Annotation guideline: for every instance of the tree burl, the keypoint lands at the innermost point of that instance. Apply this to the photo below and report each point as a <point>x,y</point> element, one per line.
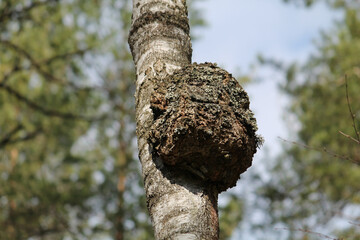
<point>203,124</point>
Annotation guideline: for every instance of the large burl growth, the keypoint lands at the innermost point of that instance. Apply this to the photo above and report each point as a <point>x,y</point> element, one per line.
<point>203,125</point>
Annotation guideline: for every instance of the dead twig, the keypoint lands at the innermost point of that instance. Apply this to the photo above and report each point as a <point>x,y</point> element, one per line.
<point>357,224</point>
<point>350,137</point>
<point>310,232</point>
<point>350,110</point>
<point>322,149</point>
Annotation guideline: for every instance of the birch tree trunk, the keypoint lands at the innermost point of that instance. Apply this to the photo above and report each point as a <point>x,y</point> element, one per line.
<point>182,178</point>
<point>160,43</point>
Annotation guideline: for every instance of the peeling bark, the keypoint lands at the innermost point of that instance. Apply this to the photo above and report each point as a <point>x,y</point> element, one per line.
<point>181,176</point>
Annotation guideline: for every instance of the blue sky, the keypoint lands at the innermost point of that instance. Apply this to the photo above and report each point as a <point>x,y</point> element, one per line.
<point>238,31</point>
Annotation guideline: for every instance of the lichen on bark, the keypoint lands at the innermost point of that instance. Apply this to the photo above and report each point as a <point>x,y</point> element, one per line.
<point>203,124</point>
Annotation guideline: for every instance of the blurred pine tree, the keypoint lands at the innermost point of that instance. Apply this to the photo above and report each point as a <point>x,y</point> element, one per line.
<point>315,183</point>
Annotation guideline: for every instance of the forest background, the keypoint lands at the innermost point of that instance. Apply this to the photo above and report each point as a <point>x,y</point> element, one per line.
<point>68,155</point>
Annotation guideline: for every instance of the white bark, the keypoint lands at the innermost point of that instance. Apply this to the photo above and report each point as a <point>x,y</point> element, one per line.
<point>180,206</point>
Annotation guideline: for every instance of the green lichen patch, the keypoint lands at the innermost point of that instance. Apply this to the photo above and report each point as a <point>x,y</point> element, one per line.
<point>203,124</point>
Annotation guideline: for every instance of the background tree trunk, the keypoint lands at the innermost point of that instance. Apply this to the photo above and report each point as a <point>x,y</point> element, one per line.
<point>180,206</point>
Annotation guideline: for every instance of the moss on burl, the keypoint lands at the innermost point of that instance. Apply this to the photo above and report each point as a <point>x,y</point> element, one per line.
<point>203,124</point>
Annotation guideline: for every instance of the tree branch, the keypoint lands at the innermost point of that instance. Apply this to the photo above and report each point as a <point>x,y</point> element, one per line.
<point>350,110</point>
<point>322,149</point>
<point>357,224</point>
<point>309,232</point>
<point>28,136</point>
<point>39,65</point>
<point>7,13</point>
<point>7,138</point>
<point>34,63</point>
<point>45,111</point>
<point>350,137</point>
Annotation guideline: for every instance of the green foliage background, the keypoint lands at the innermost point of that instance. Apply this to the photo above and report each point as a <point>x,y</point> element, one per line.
<point>68,155</point>
<point>67,144</point>
<point>315,182</point>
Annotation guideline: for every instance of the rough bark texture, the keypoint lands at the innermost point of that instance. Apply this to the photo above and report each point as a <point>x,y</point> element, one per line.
<point>182,201</point>
<point>203,124</point>
<point>180,207</point>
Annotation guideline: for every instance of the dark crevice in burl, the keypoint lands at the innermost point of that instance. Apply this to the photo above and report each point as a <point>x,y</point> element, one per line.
<point>203,124</point>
